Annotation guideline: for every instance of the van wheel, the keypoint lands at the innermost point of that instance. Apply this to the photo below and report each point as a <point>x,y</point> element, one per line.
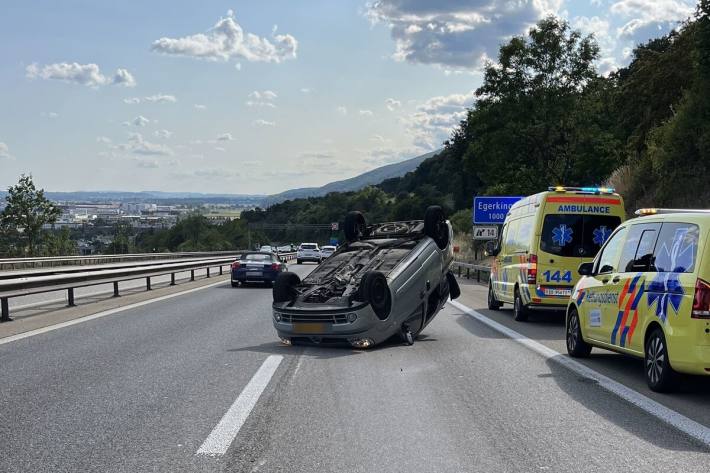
<point>660,376</point>
<point>493,303</point>
<point>576,346</point>
<point>520,312</point>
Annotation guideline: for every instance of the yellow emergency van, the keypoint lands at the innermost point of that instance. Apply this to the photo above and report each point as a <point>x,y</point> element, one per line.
<point>544,239</point>
<point>647,294</point>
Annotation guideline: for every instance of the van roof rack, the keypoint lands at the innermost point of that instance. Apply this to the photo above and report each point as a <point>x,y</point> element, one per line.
<point>586,190</point>
<point>658,211</point>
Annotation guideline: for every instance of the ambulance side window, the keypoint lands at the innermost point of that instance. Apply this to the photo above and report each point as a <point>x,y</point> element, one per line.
<point>676,248</point>
<point>510,239</point>
<point>609,258</point>
<point>637,254</point>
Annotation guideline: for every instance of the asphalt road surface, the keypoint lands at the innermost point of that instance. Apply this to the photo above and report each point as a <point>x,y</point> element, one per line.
<point>198,382</point>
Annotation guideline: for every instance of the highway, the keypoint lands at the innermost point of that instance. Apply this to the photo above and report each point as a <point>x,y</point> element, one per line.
<point>198,382</point>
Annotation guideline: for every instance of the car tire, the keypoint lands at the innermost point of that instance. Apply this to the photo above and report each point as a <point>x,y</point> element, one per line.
<point>235,284</point>
<point>576,346</point>
<point>284,286</point>
<point>355,226</point>
<point>454,289</point>
<point>493,303</point>
<point>520,312</point>
<point>374,289</point>
<point>298,261</point>
<point>660,376</point>
<point>435,226</point>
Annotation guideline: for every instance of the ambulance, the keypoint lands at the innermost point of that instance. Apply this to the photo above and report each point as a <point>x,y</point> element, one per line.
<point>647,294</point>
<point>544,239</point>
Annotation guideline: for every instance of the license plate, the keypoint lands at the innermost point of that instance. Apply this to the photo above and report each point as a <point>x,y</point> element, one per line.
<point>558,292</point>
<point>254,273</point>
<point>308,328</point>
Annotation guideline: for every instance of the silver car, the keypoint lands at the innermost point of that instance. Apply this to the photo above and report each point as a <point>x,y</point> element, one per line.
<point>389,279</point>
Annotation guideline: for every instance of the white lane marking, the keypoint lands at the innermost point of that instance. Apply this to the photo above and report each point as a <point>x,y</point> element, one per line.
<point>32,333</point>
<point>222,436</point>
<point>686,425</point>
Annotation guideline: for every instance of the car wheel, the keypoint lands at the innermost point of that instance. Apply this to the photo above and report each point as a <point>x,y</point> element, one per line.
<point>660,376</point>
<point>355,226</point>
<point>520,313</point>
<point>576,346</point>
<point>435,226</point>
<point>373,289</point>
<point>493,303</point>
<point>235,284</point>
<point>284,286</point>
<point>298,261</point>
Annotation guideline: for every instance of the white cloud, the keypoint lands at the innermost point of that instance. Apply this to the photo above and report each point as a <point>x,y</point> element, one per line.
<point>138,145</point>
<point>262,99</point>
<point>228,40</point>
<point>49,114</point>
<point>165,134</point>
<point>366,113</point>
<point>5,152</point>
<point>199,106</point>
<point>392,104</point>
<point>342,110</point>
<point>600,28</point>
<point>458,34</point>
<point>160,98</point>
<point>650,18</point>
<point>220,149</point>
<point>103,140</point>
<point>225,137</point>
<point>238,66</point>
<point>382,156</point>
<point>132,100</point>
<point>85,74</point>
<point>261,122</point>
<point>434,119</point>
<point>306,90</point>
<point>147,163</point>
<point>140,120</point>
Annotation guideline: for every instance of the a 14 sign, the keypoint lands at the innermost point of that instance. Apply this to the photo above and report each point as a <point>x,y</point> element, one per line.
<point>485,232</point>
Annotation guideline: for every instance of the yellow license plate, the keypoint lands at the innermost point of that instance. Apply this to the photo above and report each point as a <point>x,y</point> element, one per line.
<point>308,328</point>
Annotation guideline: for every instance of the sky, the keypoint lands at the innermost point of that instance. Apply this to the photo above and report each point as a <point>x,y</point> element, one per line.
<point>250,97</point>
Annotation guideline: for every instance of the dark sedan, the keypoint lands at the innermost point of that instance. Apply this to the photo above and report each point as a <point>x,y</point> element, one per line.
<point>256,267</point>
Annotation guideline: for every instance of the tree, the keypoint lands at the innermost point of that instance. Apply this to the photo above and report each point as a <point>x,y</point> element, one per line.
<point>26,212</point>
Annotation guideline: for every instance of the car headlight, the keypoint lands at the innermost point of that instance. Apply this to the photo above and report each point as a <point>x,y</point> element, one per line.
<point>277,316</point>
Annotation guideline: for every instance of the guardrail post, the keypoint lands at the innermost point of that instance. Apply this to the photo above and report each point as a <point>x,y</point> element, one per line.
<point>478,275</point>
<point>172,279</point>
<point>468,273</point>
<point>70,297</point>
<point>115,289</point>
<point>147,283</point>
<point>192,275</point>
<point>459,271</point>
<point>220,270</point>
<point>208,272</point>
<point>5,317</point>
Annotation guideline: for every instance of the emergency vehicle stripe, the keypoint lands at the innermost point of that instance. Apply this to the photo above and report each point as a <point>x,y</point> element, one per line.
<point>624,318</point>
<point>616,327</point>
<point>632,327</point>
<point>582,200</point>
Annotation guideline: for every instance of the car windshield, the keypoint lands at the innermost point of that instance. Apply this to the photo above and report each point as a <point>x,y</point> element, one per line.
<point>308,247</point>
<point>576,235</point>
<point>256,257</point>
<point>328,248</point>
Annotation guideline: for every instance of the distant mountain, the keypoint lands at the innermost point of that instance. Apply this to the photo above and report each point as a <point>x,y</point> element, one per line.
<point>246,200</point>
<point>356,183</point>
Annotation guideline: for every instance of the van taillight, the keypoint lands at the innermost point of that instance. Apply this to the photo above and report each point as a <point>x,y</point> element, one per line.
<point>235,265</point>
<point>532,269</point>
<point>701,301</point>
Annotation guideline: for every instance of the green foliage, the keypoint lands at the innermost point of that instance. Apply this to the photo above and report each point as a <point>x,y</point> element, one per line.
<point>21,221</point>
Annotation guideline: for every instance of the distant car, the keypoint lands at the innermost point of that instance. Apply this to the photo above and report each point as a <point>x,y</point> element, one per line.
<point>268,249</point>
<point>308,252</point>
<point>284,249</point>
<point>256,267</point>
<point>389,279</point>
<point>327,250</point>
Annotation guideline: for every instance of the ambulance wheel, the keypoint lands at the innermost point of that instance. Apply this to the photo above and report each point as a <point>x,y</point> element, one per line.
<point>660,376</point>
<point>520,312</point>
<point>576,346</point>
<point>493,303</point>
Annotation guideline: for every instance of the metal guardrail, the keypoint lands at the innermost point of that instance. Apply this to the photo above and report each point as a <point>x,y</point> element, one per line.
<point>466,270</point>
<point>54,261</point>
<point>69,278</point>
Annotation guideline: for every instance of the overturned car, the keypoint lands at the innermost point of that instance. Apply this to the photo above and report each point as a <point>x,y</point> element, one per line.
<point>389,279</point>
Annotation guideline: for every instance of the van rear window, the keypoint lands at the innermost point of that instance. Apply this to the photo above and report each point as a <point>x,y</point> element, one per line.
<point>575,234</point>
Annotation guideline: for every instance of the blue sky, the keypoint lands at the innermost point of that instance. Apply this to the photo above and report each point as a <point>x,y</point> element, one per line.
<point>258,97</point>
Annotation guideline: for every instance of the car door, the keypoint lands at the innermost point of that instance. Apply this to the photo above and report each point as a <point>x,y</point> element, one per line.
<point>635,264</point>
<point>598,294</point>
